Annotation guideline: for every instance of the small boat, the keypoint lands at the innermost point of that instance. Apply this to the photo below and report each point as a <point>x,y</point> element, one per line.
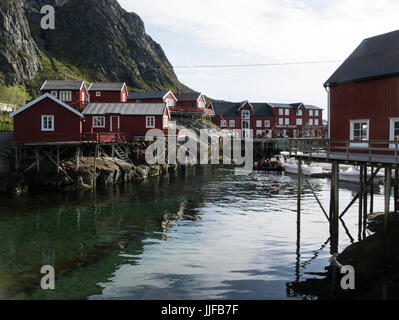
<point>270,166</point>
<point>291,167</point>
<point>352,174</point>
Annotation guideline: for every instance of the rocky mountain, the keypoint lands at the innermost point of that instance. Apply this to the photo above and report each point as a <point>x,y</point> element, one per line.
<point>93,39</point>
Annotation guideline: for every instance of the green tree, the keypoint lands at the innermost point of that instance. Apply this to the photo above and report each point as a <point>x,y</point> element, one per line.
<point>16,95</point>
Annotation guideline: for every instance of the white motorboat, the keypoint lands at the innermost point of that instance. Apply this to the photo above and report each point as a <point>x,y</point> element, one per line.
<point>291,167</point>
<point>352,174</point>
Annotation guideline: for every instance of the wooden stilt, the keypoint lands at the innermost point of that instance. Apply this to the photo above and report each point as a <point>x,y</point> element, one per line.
<point>58,159</point>
<point>95,165</point>
<point>361,192</point>
<point>16,159</point>
<point>372,191</point>
<point>77,158</point>
<point>299,187</point>
<point>364,200</point>
<point>37,160</point>
<point>334,208</point>
<point>396,190</point>
<point>387,194</point>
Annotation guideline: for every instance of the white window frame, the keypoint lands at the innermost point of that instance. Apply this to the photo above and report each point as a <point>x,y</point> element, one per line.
<point>165,123</point>
<point>52,122</point>
<point>351,127</point>
<point>223,123</point>
<point>310,113</point>
<point>201,105</point>
<point>232,123</point>
<point>299,112</point>
<point>123,97</point>
<point>316,122</point>
<point>54,93</point>
<point>83,96</point>
<point>392,131</point>
<point>287,112</point>
<point>316,113</point>
<point>170,102</point>
<point>66,96</point>
<point>267,123</point>
<point>280,112</point>
<point>150,122</point>
<point>310,122</point>
<point>259,123</point>
<point>281,121</point>
<point>100,124</point>
<point>245,114</point>
<point>260,132</point>
<point>299,121</point>
<point>98,93</point>
<point>287,121</point>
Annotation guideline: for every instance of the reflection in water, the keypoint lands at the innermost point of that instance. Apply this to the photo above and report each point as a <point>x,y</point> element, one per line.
<point>203,233</point>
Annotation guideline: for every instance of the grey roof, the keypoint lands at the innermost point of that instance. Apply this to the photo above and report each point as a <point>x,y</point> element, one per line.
<point>262,110</point>
<point>147,95</point>
<point>226,108</point>
<point>375,57</point>
<point>285,105</point>
<point>106,86</point>
<point>188,96</point>
<point>152,109</point>
<point>61,85</point>
<point>312,107</point>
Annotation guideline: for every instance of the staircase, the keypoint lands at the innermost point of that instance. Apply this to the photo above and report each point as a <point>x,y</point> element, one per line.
<point>121,153</point>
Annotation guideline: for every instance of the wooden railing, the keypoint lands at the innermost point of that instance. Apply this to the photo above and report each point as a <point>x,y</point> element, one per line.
<point>327,147</point>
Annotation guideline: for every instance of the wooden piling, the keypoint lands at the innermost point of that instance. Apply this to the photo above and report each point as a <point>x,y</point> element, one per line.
<point>334,208</point>
<point>361,193</point>
<point>387,194</point>
<point>37,160</point>
<point>372,191</point>
<point>396,190</point>
<point>364,200</point>
<point>299,187</point>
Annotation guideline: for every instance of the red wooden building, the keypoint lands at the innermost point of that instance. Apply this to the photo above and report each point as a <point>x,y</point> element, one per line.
<point>108,92</point>
<point>128,119</point>
<point>244,118</point>
<point>47,119</point>
<point>363,93</point>
<point>153,97</point>
<point>297,120</point>
<point>192,103</point>
<point>73,93</point>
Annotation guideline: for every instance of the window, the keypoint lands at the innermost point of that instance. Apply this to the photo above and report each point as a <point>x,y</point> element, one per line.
<point>277,133</point>
<point>202,105</point>
<point>259,133</point>
<point>170,102</point>
<point>394,131</point>
<point>299,113</point>
<point>299,122</point>
<point>222,123</point>
<point>245,114</point>
<point>280,121</point>
<point>359,131</point>
<point>54,93</point>
<point>47,123</point>
<point>232,123</point>
<point>311,113</point>
<point>287,112</point>
<point>123,97</point>
<point>311,122</point>
<point>66,95</point>
<point>316,113</point>
<point>281,112</point>
<point>98,122</point>
<point>98,94</point>
<point>316,122</point>
<point>287,121</point>
<point>259,123</point>
<point>83,96</point>
<point>150,122</point>
<point>267,123</point>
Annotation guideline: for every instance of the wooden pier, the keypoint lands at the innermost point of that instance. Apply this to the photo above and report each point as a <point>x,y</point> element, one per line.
<point>370,156</point>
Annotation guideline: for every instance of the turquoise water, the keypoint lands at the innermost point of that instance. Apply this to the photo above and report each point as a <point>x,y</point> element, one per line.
<point>203,234</point>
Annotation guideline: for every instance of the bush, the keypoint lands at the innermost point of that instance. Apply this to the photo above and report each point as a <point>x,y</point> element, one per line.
<point>16,95</point>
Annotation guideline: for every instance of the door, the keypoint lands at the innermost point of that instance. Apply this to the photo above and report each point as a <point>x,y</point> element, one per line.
<point>245,129</point>
<point>114,123</point>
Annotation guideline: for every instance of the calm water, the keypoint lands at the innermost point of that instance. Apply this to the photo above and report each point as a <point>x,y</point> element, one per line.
<point>205,234</point>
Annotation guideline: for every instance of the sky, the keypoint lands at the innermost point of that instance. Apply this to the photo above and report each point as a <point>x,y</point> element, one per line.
<point>219,32</point>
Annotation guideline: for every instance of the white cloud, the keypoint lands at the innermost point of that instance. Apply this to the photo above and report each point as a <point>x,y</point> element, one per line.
<point>266,31</point>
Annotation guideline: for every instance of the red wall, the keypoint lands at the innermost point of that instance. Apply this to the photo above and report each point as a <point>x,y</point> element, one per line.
<point>189,106</point>
<point>27,124</point>
<point>77,101</point>
<point>376,100</point>
<point>108,96</point>
<point>158,100</point>
<point>129,125</point>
